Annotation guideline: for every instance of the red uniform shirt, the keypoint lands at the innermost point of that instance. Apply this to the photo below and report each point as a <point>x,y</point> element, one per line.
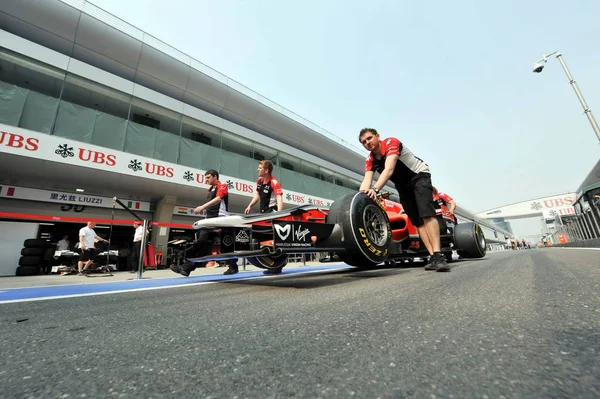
<point>407,166</point>
<point>268,189</point>
<point>222,208</point>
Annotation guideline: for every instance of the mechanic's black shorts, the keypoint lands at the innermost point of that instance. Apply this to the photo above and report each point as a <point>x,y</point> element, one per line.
<point>417,198</point>
<point>87,254</point>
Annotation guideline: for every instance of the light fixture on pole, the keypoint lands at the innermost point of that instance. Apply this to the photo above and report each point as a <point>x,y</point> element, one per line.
<point>539,66</point>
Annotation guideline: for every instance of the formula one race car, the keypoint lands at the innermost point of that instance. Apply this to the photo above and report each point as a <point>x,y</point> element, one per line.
<point>364,233</point>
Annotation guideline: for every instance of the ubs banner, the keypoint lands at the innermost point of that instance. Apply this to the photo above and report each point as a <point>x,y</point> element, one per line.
<point>17,141</point>
<point>548,207</point>
<point>553,213</point>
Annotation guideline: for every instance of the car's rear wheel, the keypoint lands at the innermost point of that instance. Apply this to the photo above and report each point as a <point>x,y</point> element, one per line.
<point>366,230</point>
<point>469,240</point>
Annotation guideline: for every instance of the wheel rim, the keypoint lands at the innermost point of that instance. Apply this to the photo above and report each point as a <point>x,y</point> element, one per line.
<point>376,225</point>
<point>480,237</point>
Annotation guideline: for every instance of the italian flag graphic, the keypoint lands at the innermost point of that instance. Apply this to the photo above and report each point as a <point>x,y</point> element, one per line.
<point>133,204</point>
<point>9,192</point>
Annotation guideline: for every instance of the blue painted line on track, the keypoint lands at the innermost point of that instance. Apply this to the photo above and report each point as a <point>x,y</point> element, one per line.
<point>55,292</point>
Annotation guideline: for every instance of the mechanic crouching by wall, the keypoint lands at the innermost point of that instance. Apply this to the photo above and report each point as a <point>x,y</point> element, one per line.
<point>396,163</point>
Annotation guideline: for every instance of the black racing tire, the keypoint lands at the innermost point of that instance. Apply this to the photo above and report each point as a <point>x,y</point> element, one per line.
<point>269,262</point>
<point>366,230</point>
<point>33,251</point>
<point>27,271</point>
<point>30,260</point>
<point>469,240</point>
<point>35,243</point>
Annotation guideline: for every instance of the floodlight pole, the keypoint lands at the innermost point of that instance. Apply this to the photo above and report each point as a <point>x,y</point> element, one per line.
<point>586,109</point>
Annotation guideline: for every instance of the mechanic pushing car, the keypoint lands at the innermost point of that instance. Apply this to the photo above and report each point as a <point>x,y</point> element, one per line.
<point>269,195</point>
<point>217,205</point>
<point>395,162</point>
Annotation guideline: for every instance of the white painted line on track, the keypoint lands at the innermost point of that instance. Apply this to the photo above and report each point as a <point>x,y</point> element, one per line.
<point>110,292</point>
<point>591,249</point>
<point>126,290</point>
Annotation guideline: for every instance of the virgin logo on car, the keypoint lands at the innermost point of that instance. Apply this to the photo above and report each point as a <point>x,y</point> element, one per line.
<point>283,231</point>
<point>301,233</point>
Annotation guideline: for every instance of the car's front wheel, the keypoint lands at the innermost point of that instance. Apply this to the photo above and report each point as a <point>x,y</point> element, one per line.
<point>366,230</point>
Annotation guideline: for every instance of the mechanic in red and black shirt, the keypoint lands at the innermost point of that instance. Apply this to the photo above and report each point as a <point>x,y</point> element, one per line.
<point>444,200</point>
<point>217,205</point>
<point>268,194</point>
<point>396,163</point>
<point>268,190</point>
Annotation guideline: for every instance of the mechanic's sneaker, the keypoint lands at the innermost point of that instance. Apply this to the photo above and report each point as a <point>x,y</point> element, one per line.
<point>175,268</point>
<point>442,265</point>
<point>273,271</point>
<point>186,269</point>
<point>233,269</point>
<point>433,263</point>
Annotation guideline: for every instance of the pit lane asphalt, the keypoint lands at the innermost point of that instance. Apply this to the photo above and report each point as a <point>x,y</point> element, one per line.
<point>514,324</point>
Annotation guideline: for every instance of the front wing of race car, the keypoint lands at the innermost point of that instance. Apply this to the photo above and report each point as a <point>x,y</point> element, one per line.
<point>298,230</point>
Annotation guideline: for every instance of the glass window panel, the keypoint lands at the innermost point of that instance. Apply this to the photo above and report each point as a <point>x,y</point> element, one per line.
<point>140,139</point>
<point>291,180</point>
<point>201,132</point>
<point>199,156</point>
<point>289,162</point>
<point>84,92</point>
<point>109,131</point>
<point>262,152</point>
<point>312,170</point>
<point>166,147</point>
<point>154,116</point>
<point>30,74</point>
<point>75,122</point>
<point>12,102</point>
<point>328,175</point>
<point>39,112</point>
<point>236,144</point>
<point>354,184</point>
<point>312,186</point>
<point>237,165</point>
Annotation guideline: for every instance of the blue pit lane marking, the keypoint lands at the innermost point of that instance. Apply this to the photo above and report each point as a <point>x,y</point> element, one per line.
<point>67,291</point>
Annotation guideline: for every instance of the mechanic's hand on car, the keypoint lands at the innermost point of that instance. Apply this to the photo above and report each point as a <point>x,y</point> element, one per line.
<point>248,210</point>
<point>370,193</point>
<point>198,209</point>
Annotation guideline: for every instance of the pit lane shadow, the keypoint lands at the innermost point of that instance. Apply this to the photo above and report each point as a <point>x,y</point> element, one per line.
<point>321,279</point>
